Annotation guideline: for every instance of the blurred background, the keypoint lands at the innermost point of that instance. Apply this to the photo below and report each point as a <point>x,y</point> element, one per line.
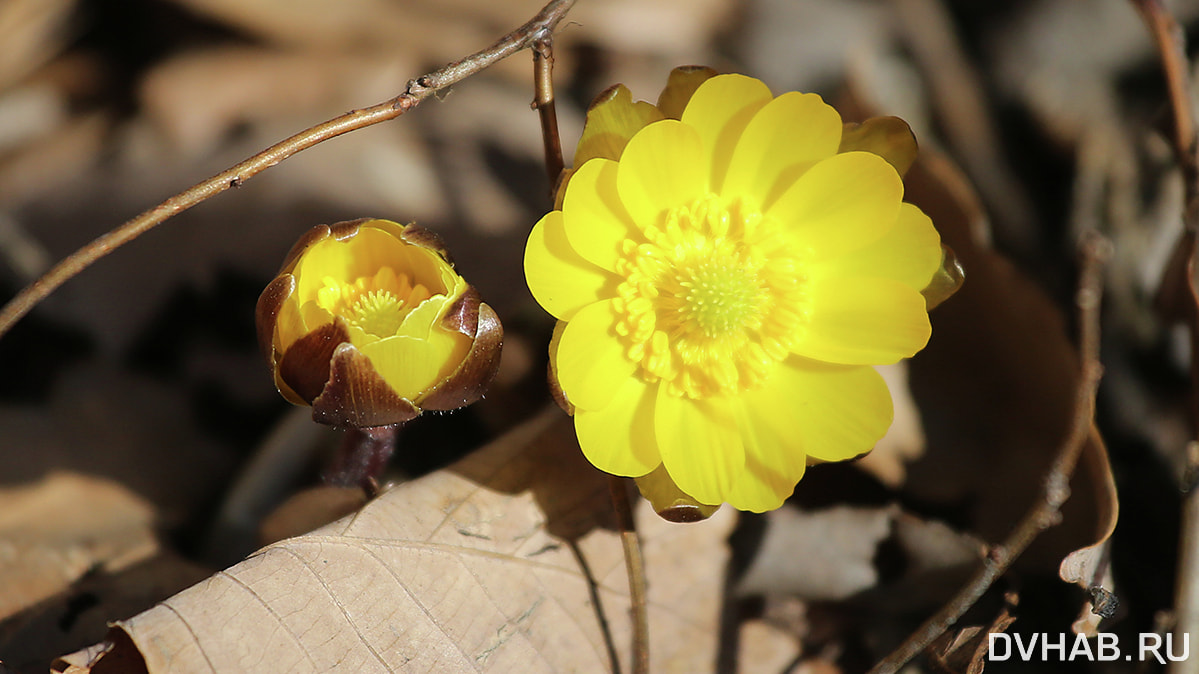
<point>143,371</point>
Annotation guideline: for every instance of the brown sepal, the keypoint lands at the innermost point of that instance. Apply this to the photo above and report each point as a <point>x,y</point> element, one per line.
<point>469,382</point>
<point>357,397</point>
<point>266,312</point>
<point>680,86</point>
<point>888,137</point>
<point>551,373</point>
<point>426,238</point>
<point>681,513</point>
<point>305,365</point>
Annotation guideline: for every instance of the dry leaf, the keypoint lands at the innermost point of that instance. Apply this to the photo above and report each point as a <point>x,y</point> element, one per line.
<point>996,385</point>
<point>55,531</point>
<point>964,651</point>
<point>32,31</point>
<point>1090,566</point>
<point>308,510</point>
<point>840,566</point>
<point>845,562</point>
<point>449,574</point>
<point>80,614</point>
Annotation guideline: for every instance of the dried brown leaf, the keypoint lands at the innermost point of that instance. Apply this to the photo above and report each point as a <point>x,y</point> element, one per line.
<point>1090,566</point>
<point>935,558</point>
<point>450,573</point>
<point>55,531</point>
<point>964,651</point>
<point>996,385</point>
<point>32,31</point>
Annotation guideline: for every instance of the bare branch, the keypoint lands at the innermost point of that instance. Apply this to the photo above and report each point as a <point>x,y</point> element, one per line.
<point>418,89</point>
<point>543,83</point>
<point>1056,488</point>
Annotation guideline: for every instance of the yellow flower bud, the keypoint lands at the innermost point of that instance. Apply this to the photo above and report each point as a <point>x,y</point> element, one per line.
<point>369,324</point>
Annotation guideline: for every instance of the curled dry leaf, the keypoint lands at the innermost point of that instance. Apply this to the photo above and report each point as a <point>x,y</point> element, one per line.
<point>501,563</point>
<point>964,651</point>
<point>997,387</point>
<point>1090,566</point>
<point>55,531</point>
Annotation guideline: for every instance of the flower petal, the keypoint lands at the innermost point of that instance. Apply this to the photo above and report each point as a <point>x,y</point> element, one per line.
<point>560,279</point>
<point>771,438</point>
<point>619,438</point>
<point>909,253</point>
<point>842,203</point>
<point>680,87</point>
<point>411,366</point>
<point>662,167</point>
<point>783,140</point>
<point>759,489</point>
<point>596,221</point>
<point>832,412</point>
<point>719,110</point>
<point>700,444</point>
<point>863,321</point>
<point>590,361</point>
<point>612,120</point>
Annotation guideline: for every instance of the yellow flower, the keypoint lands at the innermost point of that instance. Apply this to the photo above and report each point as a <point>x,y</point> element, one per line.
<point>726,268</point>
<point>369,323</point>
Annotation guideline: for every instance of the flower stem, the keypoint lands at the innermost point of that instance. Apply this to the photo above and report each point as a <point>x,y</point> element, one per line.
<point>362,456</point>
<point>536,29</point>
<point>543,83</point>
<point>635,566</point>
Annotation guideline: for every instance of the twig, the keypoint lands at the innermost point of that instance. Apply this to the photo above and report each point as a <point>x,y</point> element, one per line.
<point>543,83</point>
<point>635,566</point>
<point>537,29</point>
<point>1056,488</point>
<point>1170,44</point>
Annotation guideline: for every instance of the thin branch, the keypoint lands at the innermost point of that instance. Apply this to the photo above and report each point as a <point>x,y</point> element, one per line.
<point>417,90</point>
<point>543,83</point>
<point>1056,488</point>
<point>1171,45</point>
<point>635,566</point>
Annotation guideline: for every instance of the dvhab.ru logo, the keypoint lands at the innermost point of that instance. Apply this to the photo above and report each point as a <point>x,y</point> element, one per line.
<point>1062,647</point>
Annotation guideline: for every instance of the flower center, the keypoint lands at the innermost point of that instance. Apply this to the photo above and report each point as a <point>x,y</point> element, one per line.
<point>712,300</point>
<point>378,312</point>
<point>376,304</point>
<point>720,299</point>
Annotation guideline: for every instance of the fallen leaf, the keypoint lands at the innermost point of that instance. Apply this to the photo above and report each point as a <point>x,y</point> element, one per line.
<point>1090,566</point>
<point>839,567</point>
<point>55,531</point>
<point>32,31</point>
<point>841,548</point>
<point>996,388</point>
<point>450,573</point>
<point>964,651</point>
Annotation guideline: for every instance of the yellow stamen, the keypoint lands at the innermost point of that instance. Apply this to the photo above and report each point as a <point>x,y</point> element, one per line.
<point>378,312</point>
<point>712,302</point>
